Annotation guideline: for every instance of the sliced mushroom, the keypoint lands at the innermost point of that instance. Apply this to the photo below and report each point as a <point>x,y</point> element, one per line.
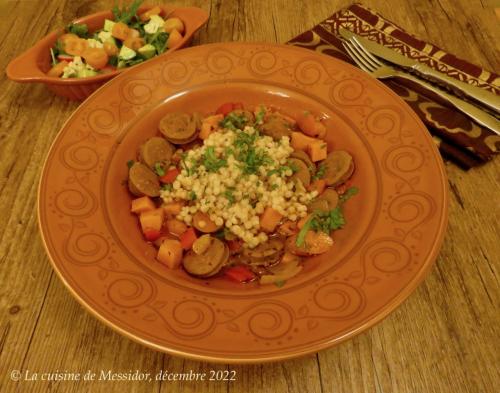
<point>180,128</point>
<point>339,167</point>
<point>156,150</point>
<point>265,253</point>
<point>301,172</point>
<point>209,261</point>
<point>276,127</point>
<point>143,181</point>
<point>302,155</point>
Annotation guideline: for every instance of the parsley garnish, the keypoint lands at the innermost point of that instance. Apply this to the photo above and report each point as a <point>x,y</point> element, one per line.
<point>320,172</point>
<point>130,163</point>
<point>326,221</point>
<point>192,196</point>
<point>167,187</point>
<point>259,117</point>
<point>229,195</point>
<point>234,122</point>
<point>274,187</point>
<point>210,161</point>
<point>159,170</point>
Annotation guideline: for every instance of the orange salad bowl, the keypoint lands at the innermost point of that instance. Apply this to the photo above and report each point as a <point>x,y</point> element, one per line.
<point>32,65</point>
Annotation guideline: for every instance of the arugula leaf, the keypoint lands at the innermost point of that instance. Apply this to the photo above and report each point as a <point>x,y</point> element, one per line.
<point>113,60</point>
<point>129,63</point>
<point>80,29</point>
<point>125,15</point>
<point>158,40</point>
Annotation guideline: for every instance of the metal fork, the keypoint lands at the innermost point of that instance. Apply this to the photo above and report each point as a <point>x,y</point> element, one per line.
<point>369,63</point>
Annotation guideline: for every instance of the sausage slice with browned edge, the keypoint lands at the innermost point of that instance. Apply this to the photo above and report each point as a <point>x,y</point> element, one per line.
<point>209,262</point>
<point>155,151</point>
<point>276,127</point>
<point>301,172</point>
<point>339,166</point>
<point>302,155</point>
<point>180,128</point>
<point>143,181</point>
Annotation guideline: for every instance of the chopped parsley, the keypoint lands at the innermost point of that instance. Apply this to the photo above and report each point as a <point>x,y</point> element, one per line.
<point>280,170</point>
<point>130,163</point>
<point>159,170</point>
<point>167,187</point>
<point>192,196</point>
<point>211,162</point>
<point>229,195</point>
<point>259,117</point>
<point>274,187</point>
<point>250,157</point>
<point>326,221</point>
<point>320,172</point>
<point>234,122</point>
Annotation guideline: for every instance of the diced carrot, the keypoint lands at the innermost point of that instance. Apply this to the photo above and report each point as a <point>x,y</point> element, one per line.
<point>151,235</point>
<point>188,238</point>
<point>176,227</point>
<point>151,220</point>
<point>142,204</point>
<point>173,208</point>
<point>317,185</point>
<point>300,141</point>
<point>210,124</point>
<point>149,13</point>
<point>174,38</point>
<point>120,30</point>
<point>320,130</point>
<point>269,219</point>
<point>288,228</point>
<point>239,274</point>
<point>307,123</point>
<point>317,150</point>
<point>58,69</point>
<point>170,253</point>
<point>169,176</point>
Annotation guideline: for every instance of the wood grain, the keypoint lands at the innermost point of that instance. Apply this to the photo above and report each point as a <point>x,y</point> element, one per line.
<point>444,338</point>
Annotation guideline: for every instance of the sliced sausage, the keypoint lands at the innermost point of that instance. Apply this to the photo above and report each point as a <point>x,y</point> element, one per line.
<point>327,201</point>
<point>302,155</point>
<point>318,204</point>
<point>209,262</point>
<point>156,150</point>
<point>339,167</point>
<point>301,172</point>
<point>143,181</point>
<point>180,128</point>
<point>276,127</point>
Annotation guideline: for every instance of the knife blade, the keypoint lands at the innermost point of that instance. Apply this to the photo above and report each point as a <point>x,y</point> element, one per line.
<point>481,96</point>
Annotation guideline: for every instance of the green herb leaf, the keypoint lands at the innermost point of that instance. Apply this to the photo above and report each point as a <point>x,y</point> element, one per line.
<point>125,15</point>
<point>320,172</point>
<point>130,163</point>
<point>192,196</point>
<point>350,192</point>
<point>210,161</point>
<point>159,170</point>
<point>80,29</point>
<point>301,237</point>
<point>234,122</point>
<point>229,195</point>
<point>158,40</point>
<point>259,117</point>
<point>167,187</point>
<point>274,187</point>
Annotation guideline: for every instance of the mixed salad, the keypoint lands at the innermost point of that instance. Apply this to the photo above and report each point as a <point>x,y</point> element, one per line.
<point>246,194</point>
<point>128,39</point>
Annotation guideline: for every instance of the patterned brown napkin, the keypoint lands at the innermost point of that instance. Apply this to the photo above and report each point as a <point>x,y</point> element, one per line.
<point>459,139</point>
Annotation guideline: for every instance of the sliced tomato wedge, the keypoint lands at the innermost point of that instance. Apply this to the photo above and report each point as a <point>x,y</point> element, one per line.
<point>151,235</point>
<point>170,176</point>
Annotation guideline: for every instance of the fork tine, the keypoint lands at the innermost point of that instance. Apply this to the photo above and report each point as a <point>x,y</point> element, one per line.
<point>367,54</point>
<point>360,61</point>
<point>362,53</point>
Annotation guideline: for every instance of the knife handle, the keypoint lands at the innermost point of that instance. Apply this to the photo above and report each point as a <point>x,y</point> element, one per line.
<point>482,96</point>
<point>470,110</point>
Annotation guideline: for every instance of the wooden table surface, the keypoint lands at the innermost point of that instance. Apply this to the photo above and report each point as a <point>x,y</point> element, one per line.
<point>444,338</point>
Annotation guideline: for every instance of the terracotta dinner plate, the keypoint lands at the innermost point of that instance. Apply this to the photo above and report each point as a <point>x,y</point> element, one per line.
<point>395,225</point>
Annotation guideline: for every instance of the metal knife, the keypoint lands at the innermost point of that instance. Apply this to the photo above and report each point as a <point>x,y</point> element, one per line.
<point>479,95</point>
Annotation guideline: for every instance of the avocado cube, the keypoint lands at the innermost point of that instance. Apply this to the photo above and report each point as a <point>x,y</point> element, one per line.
<point>126,53</point>
<point>147,51</point>
<point>108,25</point>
